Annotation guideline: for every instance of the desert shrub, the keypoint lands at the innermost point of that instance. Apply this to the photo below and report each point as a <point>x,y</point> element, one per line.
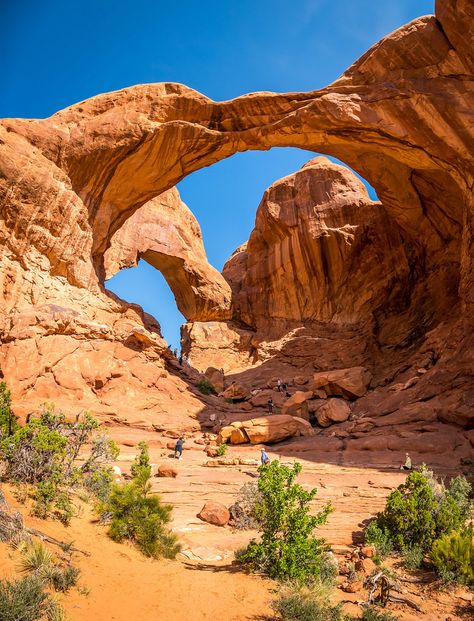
<point>412,556</point>
<point>44,454</point>
<point>417,513</point>
<point>379,538</point>
<point>372,614</point>
<point>221,450</point>
<point>139,516</point>
<point>61,578</point>
<point>24,600</point>
<point>305,605</point>
<point>36,558</point>
<point>460,490</point>
<point>40,562</point>
<point>8,423</point>
<point>205,387</point>
<point>453,557</point>
<point>287,550</point>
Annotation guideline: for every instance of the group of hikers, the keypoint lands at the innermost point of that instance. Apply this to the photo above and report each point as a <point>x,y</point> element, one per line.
<point>265,459</point>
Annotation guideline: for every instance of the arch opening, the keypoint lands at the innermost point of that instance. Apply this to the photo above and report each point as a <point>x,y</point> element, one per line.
<point>224,198</point>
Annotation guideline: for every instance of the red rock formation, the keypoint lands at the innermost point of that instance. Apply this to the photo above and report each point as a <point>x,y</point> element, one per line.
<point>322,251</point>
<point>400,116</point>
<point>165,233</point>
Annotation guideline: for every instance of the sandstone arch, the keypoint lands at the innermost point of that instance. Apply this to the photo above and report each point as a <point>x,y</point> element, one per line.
<point>383,117</point>
<point>165,233</point>
<point>400,116</point>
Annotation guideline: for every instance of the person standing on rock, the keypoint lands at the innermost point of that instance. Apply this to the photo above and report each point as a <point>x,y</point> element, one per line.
<point>178,449</point>
<point>270,406</point>
<point>264,459</point>
<point>279,385</point>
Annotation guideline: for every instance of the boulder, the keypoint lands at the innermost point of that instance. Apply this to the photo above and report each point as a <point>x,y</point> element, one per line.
<point>216,378</point>
<point>297,404</point>
<point>348,383</point>
<point>353,586</point>
<point>366,566</point>
<point>236,392</point>
<point>300,380</point>
<point>224,434</point>
<point>211,451</point>
<point>275,427</point>
<point>167,470</point>
<point>333,411</point>
<point>238,436</point>
<point>368,551</point>
<point>214,513</point>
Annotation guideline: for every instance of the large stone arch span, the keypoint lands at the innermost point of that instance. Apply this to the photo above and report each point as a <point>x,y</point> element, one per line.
<point>400,116</point>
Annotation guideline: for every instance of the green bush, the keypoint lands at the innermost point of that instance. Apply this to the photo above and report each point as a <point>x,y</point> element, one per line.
<point>139,516</point>
<point>141,467</point>
<point>62,578</point>
<point>453,557</point>
<point>379,538</point>
<point>205,387</point>
<point>287,550</point>
<point>24,600</point>
<point>412,556</point>
<point>417,513</point>
<point>44,454</point>
<point>8,423</point>
<point>306,606</point>
<point>221,450</point>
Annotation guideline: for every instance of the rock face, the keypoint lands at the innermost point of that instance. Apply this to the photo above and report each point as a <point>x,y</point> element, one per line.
<point>350,282</point>
<point>323,249</point>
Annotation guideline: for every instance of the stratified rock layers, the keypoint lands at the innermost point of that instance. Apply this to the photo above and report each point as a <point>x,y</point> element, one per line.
<point>401,116</point>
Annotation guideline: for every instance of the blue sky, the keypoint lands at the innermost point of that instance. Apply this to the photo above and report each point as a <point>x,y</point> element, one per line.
<point>55,53</point>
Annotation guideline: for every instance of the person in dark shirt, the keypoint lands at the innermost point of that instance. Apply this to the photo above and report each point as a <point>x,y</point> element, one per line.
<point>178,449</point>
<point>270,406</point>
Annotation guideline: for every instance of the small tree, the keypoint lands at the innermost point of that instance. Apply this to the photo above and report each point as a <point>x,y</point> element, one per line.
<point>138,515</point>
<point>287,550</point>
<point>421,510</point>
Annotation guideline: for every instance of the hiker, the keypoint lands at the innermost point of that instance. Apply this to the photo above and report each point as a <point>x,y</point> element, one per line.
<point>265,460</point>
<point>180,360</point>
<point>279,385</point>
<point>270,406</point>
<point>407,464</point>
<point>178,449</point>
